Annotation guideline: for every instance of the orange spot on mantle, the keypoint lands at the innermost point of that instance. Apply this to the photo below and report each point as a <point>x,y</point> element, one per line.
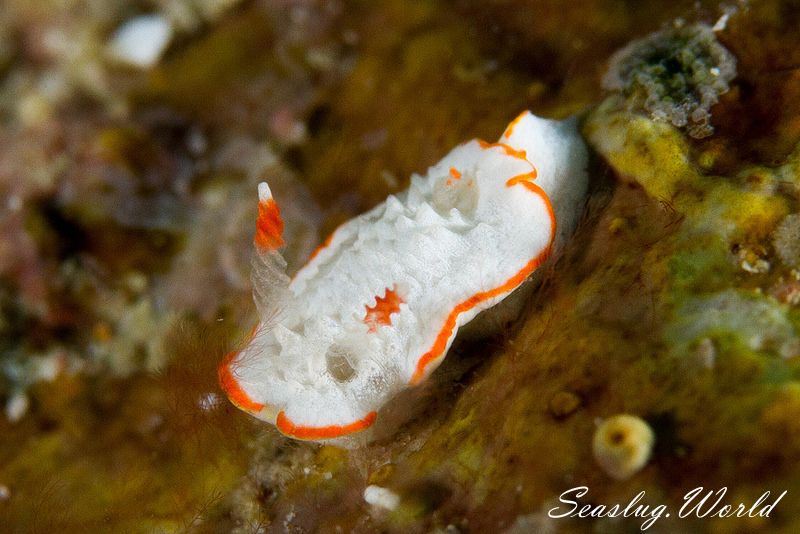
<point>440,343</point>
<point>289,428</point>
<point>385,306</point>
<point>513,124</point>
<point>269,226</point>
<point>454,175</point>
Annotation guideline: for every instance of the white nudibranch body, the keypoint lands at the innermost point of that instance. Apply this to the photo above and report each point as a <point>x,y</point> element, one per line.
<point>376,308</point>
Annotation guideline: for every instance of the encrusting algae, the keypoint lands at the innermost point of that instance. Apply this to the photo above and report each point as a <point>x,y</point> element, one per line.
<point>786,240</point>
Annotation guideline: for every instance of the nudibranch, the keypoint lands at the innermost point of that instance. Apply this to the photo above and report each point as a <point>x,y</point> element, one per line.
<point>378,305</point>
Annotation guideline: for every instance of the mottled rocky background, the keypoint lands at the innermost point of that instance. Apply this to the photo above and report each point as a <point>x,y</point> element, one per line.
<point>127,200</point>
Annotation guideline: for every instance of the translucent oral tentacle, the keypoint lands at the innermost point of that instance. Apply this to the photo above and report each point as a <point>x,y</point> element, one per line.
<point>270,281</point>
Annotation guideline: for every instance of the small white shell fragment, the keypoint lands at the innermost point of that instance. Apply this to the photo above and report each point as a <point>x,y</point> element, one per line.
<point>622,445</point>
<point>381,497</point>
<point>376,308</point>
<point>16,406</point>
<point>208,402</point>
<point>140,41</point>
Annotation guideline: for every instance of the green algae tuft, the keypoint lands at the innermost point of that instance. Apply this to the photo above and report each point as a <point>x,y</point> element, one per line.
<point>676,75</point>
